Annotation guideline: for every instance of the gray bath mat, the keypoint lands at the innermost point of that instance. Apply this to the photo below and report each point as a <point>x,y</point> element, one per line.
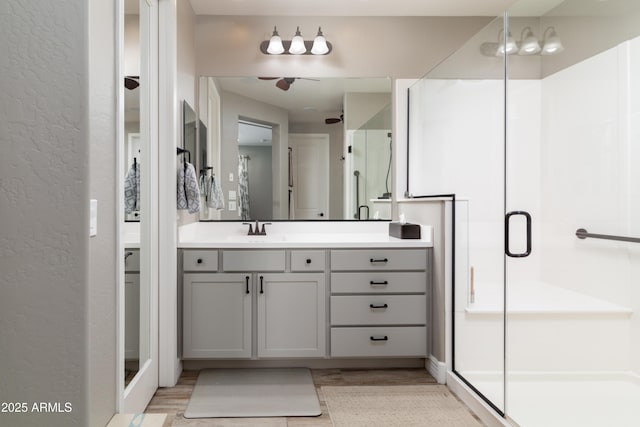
<point>253,393</point>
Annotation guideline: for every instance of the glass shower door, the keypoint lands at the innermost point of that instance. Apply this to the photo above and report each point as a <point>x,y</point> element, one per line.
<point>573,146</point>
<point>456,148</point>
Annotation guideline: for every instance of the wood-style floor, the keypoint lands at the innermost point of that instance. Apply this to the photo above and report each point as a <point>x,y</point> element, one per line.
<point>173,401</point>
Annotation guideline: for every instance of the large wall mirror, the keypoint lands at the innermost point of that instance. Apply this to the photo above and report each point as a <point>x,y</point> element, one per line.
<point>137,160</point>
<point>280,148</point>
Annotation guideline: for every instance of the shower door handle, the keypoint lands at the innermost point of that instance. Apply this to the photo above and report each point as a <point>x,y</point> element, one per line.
<point>506,234</point>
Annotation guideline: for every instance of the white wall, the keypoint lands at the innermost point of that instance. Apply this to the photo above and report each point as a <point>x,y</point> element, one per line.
<point>585,182</point>
<point>399,47</point>
<point>45,297</point>
<point>590,150</point>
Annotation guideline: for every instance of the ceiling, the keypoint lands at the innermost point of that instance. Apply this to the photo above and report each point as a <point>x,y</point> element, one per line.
<point>351,7</point>
<point>307,100</point>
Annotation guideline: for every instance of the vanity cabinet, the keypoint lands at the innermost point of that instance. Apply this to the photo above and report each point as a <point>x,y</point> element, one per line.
<point>283,303</point>
<point>131,304</point>
<point>379,303</point>
<point>248,303</point>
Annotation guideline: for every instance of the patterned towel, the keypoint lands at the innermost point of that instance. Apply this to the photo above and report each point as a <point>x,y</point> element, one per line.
<point>132,189</point>
<point>188,189</point>
<point>215,199</point>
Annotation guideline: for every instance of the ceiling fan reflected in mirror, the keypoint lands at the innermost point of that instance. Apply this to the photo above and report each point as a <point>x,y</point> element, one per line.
<point>131,82</point>
<point>334,120</point>
<point>285,83</point>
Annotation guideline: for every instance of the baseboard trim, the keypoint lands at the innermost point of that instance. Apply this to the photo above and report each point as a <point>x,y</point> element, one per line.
<point>437,369</point>
<point>369,363</point>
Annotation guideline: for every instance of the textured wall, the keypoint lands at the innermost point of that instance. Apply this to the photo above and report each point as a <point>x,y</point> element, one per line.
<point>44,192</point>
<point>102,186</point>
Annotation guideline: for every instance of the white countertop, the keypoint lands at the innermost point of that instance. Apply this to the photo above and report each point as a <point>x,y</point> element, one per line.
<point>298,234</point>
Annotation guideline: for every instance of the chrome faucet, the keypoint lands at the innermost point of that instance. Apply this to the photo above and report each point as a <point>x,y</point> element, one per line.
<point>257,231</point>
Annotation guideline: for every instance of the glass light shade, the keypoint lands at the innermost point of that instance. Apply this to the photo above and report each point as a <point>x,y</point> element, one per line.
<point>275,44</point>
<point>297,44</point>
<point>319,44</point>
<point>552,45</point>
<point>529,46</point>
<point>510,47</point>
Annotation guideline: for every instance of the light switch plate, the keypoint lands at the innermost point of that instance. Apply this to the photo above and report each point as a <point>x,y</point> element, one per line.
<point>230,176</point>
<point>232,205</point>
<point>93,217</point>
<point>232,195</point>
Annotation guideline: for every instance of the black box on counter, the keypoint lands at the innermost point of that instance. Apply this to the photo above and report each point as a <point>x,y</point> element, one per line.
<point>404,231</point>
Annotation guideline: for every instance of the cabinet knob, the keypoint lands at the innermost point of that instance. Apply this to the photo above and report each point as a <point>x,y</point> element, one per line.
<point>199,261</point>
<point>308,260</point>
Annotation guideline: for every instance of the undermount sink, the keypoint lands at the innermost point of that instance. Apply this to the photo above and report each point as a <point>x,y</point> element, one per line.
<point>246,238</point>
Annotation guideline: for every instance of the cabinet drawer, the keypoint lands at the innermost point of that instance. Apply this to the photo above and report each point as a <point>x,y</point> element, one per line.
<point>384,342</point>
<point>131,260</point>
<point>205,260</point>
<point>307,260</point>
<point>379,259</point>
<point>378,282</point>
<point>379,310</point>
<point>253,260</point>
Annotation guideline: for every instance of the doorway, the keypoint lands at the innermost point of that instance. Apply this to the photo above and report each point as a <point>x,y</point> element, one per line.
<point>308,176</point>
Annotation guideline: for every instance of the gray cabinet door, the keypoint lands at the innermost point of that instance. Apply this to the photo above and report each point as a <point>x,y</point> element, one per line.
<point>217,315</point>
<point>291,315</point>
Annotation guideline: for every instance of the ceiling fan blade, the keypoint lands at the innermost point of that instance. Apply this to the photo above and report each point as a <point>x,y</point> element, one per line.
<point>268,78</point>
<point>332,120</point>
<point>131,82</point>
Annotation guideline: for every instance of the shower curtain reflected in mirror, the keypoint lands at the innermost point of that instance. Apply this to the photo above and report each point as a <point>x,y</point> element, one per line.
<point>243,187</point>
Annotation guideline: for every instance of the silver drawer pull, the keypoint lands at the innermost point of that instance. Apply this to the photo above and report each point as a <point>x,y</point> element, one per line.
<point>374,306</point>
<point>376,283</point>
<point>384,338</point>
<point>378,260</point>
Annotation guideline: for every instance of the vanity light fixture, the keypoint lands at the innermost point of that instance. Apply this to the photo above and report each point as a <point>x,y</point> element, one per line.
<point>297,45</point>
<point>528,45</point>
